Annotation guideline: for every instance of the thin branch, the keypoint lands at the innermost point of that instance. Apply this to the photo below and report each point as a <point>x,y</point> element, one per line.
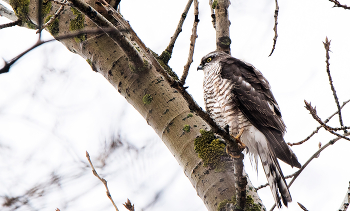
<point>170,47</point>
<point>64,2</point>
<point>318,128</point>
<point>275,28</point>
<point>302,207</point>
<point>14,23</point>
<point>40,18</point>
<point>262,186</point>
<point>326,46</point>
<point>325,126</point>
<point>102,180</point>
<point>7,66</point>
<point>57,13</point>
<point>337,4</point>
<point>315,155</point>
<point>192,44</point>
<point>128,205</point>
<point>7,13</point>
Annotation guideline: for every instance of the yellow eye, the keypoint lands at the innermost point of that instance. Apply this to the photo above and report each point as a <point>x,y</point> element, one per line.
<point>209,59</point>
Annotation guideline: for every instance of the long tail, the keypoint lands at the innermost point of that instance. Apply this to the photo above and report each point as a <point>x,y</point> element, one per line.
<point>274,176</point>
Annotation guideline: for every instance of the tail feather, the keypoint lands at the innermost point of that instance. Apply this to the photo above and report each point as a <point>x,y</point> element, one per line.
<point>259,146</point>
<point>274,176</point>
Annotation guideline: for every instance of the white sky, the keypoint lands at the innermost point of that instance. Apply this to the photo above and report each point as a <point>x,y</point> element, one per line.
<point>53,107</point>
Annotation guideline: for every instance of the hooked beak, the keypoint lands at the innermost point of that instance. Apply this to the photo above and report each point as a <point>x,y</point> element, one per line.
<point>200,67</point>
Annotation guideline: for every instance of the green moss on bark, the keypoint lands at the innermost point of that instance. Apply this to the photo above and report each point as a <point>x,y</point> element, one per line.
<point>77,23</point>
<point>250,205</point>
<point>163,60</point>
<point>53,27</point>
<point>211,150</point>
<point>21,8</point>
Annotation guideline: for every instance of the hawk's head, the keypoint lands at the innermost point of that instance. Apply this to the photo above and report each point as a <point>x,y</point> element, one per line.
<point>211,58</point>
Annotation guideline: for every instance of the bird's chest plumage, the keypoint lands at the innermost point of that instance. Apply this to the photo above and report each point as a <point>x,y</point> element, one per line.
<point>219,100</point>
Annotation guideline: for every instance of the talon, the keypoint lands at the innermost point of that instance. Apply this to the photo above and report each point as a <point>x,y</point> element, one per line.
<point>230,154</point>
<point>238,139</point>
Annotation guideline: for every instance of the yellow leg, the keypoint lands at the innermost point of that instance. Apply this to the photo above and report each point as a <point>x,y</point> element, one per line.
<point>238,138</point>
<point>240,144</point>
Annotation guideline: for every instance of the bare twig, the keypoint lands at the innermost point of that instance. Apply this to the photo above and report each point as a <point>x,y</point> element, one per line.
<point>318,119</point>
<point>14,23</point>
<point>345,204</point>
<point>7,66</point>
<point>170,47</point>
<point>57,13</point>
<point>327,44</point>
<point>192,44</point>
<point>318,128</point>
<point>262,186</point>
<point>302,207</point>
<point>275,28</point>
<point>102,180</point>
<point>337,4</point>
<point>128,205</point>
<point>315,155</point>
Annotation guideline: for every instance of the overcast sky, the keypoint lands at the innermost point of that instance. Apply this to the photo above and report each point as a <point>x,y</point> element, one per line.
<point>53,108</point>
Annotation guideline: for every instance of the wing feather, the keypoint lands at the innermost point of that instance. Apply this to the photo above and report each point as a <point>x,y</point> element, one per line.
<point>256,101</point>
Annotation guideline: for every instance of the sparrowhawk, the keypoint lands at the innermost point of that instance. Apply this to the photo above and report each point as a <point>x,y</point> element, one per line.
<point>238,97</point>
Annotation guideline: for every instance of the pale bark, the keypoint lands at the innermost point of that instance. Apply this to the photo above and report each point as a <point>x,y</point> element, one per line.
<point>148,91</point>
<point>223,41</point>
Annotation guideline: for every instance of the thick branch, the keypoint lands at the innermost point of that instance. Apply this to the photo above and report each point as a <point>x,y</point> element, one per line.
<point>115,35</point>
<point>223,41</point>
<point>7,13</point>
<point>241,182</point>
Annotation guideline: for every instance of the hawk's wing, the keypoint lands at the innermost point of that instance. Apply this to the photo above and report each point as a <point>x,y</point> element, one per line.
<point>256,101</point>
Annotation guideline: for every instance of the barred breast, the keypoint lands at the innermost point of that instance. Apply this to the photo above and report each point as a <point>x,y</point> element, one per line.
<point>218,99</point>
